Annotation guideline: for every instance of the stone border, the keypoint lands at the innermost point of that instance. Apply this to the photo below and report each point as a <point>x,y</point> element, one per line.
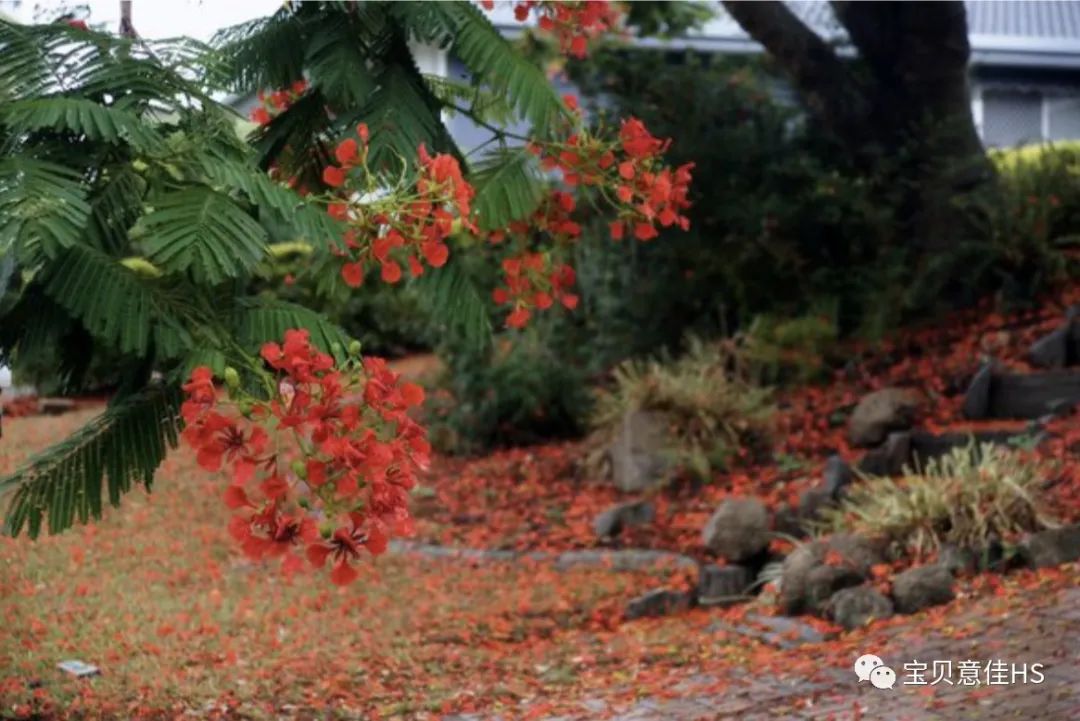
<point>619,560</point>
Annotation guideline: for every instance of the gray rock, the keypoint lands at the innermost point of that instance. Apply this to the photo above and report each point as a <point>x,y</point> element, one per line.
<point>855,551</point>
<point>927,446</point>
<point>977,398</point>
<point>811,502</point>
<point>958,561</point>
<point>623,515</point>
<point>823,581</point>
<point>639,457</point>
<point>837,475</point>
<point>788,522</point>
<point>1033,395</point>
<point>658,602</point>
<point>1052,350</point>
<point>723,585</point>
<point>992,556</point>
<point>856,606</point>
<point>922,587</point>
<point>805,588</point>
<point>889,409</point>
<point>738,530</point>
<point>1051,548</point>
<point>890,458</point>
<point>626,559</point>
<point>615,560</point>
<point>796,568</point>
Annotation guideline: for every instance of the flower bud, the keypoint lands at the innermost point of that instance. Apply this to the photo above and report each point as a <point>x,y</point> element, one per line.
<point>304,503</point>
<point>326,530</point>
<point>354,348</point>
<point>300,469</point>
<point>245,409</point>
<point>232,378</point>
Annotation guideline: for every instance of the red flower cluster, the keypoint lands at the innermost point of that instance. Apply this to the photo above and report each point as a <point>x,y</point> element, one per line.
<point>407,223</point>
<point>389,227</point>
<point>573,22</point>
<point>533,283</point>
<point>324,466</point>
<point>277,102</point>
<point>631,174</point>
<point>628,172</point>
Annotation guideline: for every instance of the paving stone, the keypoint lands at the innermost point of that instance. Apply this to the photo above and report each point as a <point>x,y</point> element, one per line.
<point>1045,634</point>
<point>658,602</point>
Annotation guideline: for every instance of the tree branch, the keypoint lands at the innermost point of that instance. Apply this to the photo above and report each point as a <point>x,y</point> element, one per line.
<point>127,27</point>
<point>873,30</point>
<point>827,85</point>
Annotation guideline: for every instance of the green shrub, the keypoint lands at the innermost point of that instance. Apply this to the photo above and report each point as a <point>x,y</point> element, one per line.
<point>1032,220</point>
<point>966,498</point>
<point>388,320</point>
<point>783,219</point>
<point>518,392</point>
<point>713,406</point>
<point>790,350</point>
<point>778,222</point>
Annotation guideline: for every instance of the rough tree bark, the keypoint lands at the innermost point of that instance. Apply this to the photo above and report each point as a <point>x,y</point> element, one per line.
<point>903,100</point>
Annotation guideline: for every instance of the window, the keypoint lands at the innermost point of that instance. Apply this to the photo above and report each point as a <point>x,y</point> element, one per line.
<point>1064,117</point>
<point>1012,117</point>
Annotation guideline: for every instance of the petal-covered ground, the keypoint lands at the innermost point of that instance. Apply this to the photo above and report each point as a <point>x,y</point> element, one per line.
<point>547,497</point>
<point>181,627</point>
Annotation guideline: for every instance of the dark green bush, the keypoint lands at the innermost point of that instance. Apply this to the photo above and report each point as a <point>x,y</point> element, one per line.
<point>777,224</point>
<point>388,320</point>
<point>521,390</point>
<point>783,221</point>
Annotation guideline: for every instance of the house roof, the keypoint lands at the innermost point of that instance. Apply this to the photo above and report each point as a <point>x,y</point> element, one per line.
<point>1043,34</point>
<point>1010,33</point>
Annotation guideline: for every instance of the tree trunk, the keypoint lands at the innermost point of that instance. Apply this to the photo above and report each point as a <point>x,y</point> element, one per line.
<point>127,27</point>
<point>903,103</point>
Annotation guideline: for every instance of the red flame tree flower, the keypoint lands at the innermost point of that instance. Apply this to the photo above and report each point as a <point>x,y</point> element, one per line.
<point>321,467</point>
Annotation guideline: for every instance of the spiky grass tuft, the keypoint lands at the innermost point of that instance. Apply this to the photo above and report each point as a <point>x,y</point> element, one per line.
<point>967,498</point>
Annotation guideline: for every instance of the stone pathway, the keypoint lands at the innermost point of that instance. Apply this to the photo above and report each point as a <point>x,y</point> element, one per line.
<point>1046,632</point>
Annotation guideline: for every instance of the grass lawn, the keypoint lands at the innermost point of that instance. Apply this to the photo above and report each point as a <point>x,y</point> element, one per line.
<point>156,596</point>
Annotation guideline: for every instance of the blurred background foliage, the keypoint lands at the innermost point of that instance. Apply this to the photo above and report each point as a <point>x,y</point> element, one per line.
<point>791,248</point>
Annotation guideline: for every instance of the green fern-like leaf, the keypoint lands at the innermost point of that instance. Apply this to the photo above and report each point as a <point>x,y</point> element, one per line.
<point>339,53</point>
<point>477,101</point>
<point>258,321</point>
<point>84,117</point>
<point>121,447</point>
<point>489,57</point>
<point>453,301</point>
<point>245,48</point>
<point>52,59</point>
<point>304,129</point>
<point>115,206</point>
<point>508,187</point>
<point>402,113</point>
<point>115,304</point>
<point>43,207</point>
<point>311,222</point>
<point>204,231</point>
